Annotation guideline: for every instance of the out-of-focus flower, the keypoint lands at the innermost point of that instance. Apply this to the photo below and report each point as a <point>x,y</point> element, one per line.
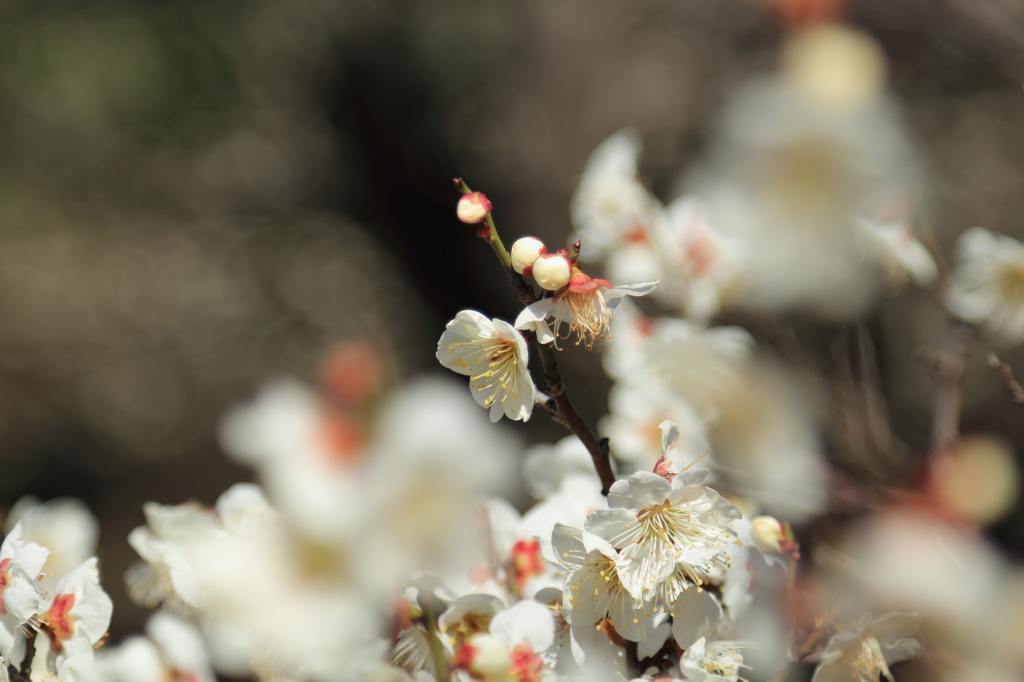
<point>901,255</point>
<point>65,526</point>
<point>633,425</point>
<point>866,650</point>
<point>768,534</point>
<point>712,661</point>
<point>611,205</point>
<point>835,67</point>
<point>705,266</point>
<point>166,576</point>
<point>173,650</point>
<point>988,284</point>
<point>552,271</point>
<point>525,251</point>
<point>585,305</point>
<point>495,357</point>
<point>976,479</point>
<point>473,207</point>
<point>512,649</point>
<point>801,153</point>
<point>908,560</point>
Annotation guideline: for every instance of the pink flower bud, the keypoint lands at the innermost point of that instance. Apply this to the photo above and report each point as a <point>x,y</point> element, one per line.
<point>552,272</point>
<point>525,252</point>
<point>473,207</point>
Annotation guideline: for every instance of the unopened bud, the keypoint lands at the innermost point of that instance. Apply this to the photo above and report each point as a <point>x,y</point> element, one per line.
<point>473,207</point>
<point>525,251</point>
<point>552,272</point>
<point>484,658</point>
<point>768,534</point>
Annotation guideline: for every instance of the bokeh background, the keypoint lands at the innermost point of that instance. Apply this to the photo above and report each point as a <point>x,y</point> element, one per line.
<point>199,196</point>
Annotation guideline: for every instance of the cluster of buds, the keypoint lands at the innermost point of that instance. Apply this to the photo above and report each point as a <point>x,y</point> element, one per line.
<point>553,271</point>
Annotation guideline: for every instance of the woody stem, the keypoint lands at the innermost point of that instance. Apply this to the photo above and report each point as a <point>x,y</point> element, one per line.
<point>562,410</point>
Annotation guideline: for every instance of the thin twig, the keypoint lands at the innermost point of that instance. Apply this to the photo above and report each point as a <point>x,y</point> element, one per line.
<point>957,347</point>
<point>558,402</point>
<point>1005,373</point>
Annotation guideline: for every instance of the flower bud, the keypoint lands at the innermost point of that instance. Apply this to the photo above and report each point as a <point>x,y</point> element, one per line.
<point>768,534</point>
<point>484,658</point>
<point>552,272</point>
<point>525,251</point>
<point>473,207</point>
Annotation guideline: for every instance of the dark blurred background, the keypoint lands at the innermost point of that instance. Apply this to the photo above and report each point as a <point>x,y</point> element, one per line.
<point>199,196</point>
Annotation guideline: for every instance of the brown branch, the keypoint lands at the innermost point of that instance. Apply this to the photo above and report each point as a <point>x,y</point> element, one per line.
<point>1005,373</point>
<point>558,403</point>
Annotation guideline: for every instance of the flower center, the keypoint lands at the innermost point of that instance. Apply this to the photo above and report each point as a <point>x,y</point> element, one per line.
<point>526,561</point>
<point>502,369</point>
<point>58,622</point>
<point>526,665</point>
<point>5,582</point>
<point>866,656</point>
<point>1011,283</point>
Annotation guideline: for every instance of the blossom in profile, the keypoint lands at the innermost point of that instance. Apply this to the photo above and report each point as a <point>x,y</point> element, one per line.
<point>988,284</point>
<point>496,359</point>
<point>719,661</point>
<point>902,256</point>
<point>173,650</point>
<point>585,305</point>
<point>611,206</point>
<point>64,526</point>
<point>76,617</point>
<point>705,266</point>
<point>865,651</point>
<point>20,564</point>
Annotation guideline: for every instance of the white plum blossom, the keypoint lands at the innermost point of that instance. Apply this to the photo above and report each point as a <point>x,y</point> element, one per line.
<point>902,256</point>
<point>496,359</point>
<point>611,204</point>
<point>593,595</point>
<point>672,534</point>
<point>512,649</point>
<point>20,565</point>
<point>64,526</point>
<point>718,661</point>
<point>865,651</point>
<point>166,575</point>
<point>585,305</point>
<point>637,411</point>
<point>988,284</point>
<point>173,650</point>
<point>705,267</point>
<point>76,617</point>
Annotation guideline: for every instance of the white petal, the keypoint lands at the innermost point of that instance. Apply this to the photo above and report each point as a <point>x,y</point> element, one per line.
<point>669,434</point>
<point>92,612</point>
<point>640,491</point>
<point>181,644</point>
<point>12,543</point>
<point>621,290</point>
<point>30,558</point>
<point>527,623</point>
<point>533,317</point>
<point>694,615</point>
<point>610,524</point>
<point>21,598</point>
